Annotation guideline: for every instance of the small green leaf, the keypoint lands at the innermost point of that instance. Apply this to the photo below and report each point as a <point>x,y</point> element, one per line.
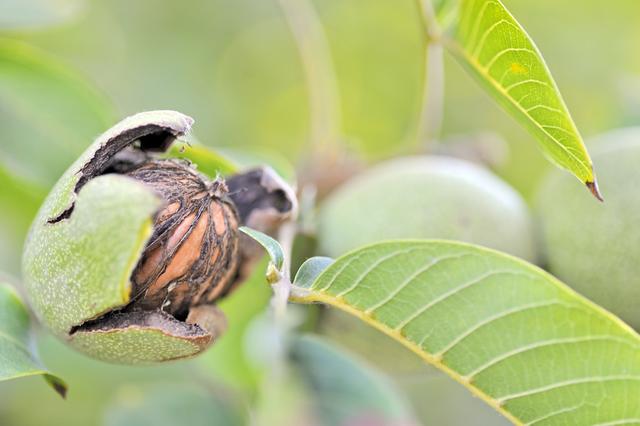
<point>345,390</point>
<point>270,245</point>
<point>16,358</point>
<point>310,270</point>
<point>50,114</point>
<point>500,54</point>
<point>515,336</point>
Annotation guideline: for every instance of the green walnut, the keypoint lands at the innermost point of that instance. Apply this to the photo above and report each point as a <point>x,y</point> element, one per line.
<point>426,197</point>
<point>595,247</point>
<point>130,252</point>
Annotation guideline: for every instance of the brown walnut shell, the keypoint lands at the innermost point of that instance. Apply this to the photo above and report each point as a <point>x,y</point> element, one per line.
<point>191,257</point>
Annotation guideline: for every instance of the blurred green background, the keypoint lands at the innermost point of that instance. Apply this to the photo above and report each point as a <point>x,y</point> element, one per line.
<point>71,68</point>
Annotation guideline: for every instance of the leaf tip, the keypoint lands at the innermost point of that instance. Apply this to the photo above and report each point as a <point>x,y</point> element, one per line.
<point>593,187</point>
<point>57,384</point>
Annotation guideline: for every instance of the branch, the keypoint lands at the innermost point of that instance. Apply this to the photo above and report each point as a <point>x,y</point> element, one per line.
<point>324,98</point>
<point>431,112</point>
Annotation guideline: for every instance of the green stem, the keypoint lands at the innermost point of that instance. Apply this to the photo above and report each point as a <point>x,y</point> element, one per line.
<point>282,288</point>
<point>431,112</point>
<point>313,47</point>
<point>430,120</point>
<point>429,20</point>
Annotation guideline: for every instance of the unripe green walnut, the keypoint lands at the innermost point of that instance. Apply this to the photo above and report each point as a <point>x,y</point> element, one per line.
<point>128,254</point>
<point>595,247</point>
<point>426,197</point>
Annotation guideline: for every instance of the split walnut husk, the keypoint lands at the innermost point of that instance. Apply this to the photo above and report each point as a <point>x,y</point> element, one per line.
<point>130,253</point>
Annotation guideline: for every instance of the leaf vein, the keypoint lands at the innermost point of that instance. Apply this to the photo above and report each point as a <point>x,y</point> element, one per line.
<point>556,413</point>
<point>547,107</point>
<point>483,39</point>
<point>546,343</point>
<point>479,18</point>
<point>370,269</point>
<point>409,280</point>
<point>497,317</point>
<point>572,382</point>
<point>487,67</point>
<point>450,293</point>
<point>528,81</point>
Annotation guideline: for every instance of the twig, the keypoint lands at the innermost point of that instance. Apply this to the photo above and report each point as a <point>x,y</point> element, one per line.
<point>429,20</point>
<point>430,121</point>
<point>282,287</point>
<point>324,98</point>
<point>430,118</point>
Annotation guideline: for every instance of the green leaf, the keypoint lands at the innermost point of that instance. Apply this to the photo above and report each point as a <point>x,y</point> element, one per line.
<point>345,390</point>
<point>49,113</point>
<point>13,188</point>
<point>20,200</point>
<point>310,270</point>
<point>514,335</point>
<point>500,54</point>
<point>272,247</point>
<point>16,358</point>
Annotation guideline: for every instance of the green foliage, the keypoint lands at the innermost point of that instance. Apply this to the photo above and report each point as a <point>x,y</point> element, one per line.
<point>594,248</point>
<point>17,358</point>
<point>272,246</point>
<point>499,53</point>
<point>434,397</point>
<point>426,197</point>
<point>512,334</point>
<point>310,270</point>
<point>96,387</point>
<point>343,389</point>
<point>213,64</point>
<point>20,200</point>
<point>170,405</point>
<point>45,105</point>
